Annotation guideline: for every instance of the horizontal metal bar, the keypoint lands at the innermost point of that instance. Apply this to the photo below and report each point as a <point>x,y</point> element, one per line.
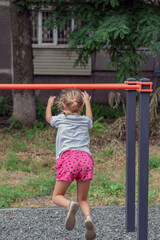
<point>64,86</point>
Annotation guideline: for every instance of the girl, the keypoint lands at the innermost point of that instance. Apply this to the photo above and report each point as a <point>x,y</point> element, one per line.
<point>74,160</point>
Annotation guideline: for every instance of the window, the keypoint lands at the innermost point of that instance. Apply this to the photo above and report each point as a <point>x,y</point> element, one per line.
<point>42,35</point>
<point>51,56</point>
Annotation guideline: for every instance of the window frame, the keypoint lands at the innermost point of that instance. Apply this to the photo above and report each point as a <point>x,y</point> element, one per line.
<point>55,33</point>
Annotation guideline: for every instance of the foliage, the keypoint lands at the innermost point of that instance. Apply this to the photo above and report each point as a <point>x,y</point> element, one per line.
<point>40,110</point>
<point>9,194</point>
<point>107,186</point>
<point>154,162</point>
<point>33,188</point>
<point>97,126</point>
<point>98,158</point>
<point>14,123</point>
<point>105,111</point>
<point>108,152</point>
<point>12,163</point>
<point>19,145</point>
<point>38,125</point>
<point>119,27</point>
<point>5,106</point>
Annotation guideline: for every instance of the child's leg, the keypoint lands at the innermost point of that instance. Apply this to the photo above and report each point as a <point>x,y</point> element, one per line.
<point>59,192</point>
<point>82,193</point>
<point>59,199</point>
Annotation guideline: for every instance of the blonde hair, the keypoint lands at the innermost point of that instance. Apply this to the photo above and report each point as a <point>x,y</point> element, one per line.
<point>73,100</point>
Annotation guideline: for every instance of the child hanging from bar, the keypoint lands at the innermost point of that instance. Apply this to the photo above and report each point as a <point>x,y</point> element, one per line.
<point>74,160</point>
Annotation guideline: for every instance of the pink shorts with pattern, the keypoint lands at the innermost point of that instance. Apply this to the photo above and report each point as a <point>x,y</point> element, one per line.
<point>74,164</point>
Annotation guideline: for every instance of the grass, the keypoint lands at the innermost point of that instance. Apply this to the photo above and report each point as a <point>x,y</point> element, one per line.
<point>34,187</point>
<point>154,162</point>
<point>27,164</point>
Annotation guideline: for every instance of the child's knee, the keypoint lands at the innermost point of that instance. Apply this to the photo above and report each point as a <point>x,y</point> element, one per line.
<point>81,200</point>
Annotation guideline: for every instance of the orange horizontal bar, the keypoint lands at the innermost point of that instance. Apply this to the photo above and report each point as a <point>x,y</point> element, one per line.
<point>63,86</point>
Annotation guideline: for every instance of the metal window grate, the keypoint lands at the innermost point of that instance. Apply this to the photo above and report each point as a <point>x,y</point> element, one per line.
<point>34,23</point>
<point>47,34</point>
<point>42,35</point>
<point>64,35</point>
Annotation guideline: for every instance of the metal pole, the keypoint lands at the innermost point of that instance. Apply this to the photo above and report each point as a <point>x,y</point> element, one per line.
<point>130,158</point>
<point>144,98</point>
<point>80,86</point>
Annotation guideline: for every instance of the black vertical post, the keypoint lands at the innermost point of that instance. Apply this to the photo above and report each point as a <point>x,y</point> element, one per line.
<point>130,158</point>
<point>144,98</point>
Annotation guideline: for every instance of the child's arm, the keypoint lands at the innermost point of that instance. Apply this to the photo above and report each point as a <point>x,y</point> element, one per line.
<point>86,99</point>
<point>48,109</point>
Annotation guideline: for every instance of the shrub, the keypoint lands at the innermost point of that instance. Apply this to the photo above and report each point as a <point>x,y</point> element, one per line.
<point>14,123</point>
<point>5,106</point>
<point>98,126</point>
<point>105,111</point>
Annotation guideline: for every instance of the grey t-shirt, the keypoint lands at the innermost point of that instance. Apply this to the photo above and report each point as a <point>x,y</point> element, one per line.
<point>72,133</point>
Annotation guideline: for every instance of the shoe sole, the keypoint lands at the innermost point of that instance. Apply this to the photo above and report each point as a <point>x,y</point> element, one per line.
<point>71,219</point>
<point>90,232</point>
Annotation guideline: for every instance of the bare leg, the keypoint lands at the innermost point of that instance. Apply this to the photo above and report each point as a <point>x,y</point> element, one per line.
<point>59,199</point>
<point>82,193</point>
<point>59,192</point>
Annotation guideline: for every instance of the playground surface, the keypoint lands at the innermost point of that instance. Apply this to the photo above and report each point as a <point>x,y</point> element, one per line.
<point>48,223</point>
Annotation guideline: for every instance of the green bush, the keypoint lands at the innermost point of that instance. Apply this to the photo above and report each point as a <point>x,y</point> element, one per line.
<point>98,126</point>
<point>14,123</point>
<point>5,106</point>
<point>38,125</point>
<point>105,111</point>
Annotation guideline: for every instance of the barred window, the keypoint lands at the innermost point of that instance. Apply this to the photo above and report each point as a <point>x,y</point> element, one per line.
<point>43,35</point>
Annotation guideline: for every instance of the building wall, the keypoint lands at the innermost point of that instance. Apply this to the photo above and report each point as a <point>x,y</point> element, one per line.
<point>97,71</point>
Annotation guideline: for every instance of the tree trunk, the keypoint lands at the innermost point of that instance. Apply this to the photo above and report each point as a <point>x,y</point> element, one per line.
<point>22,60</point>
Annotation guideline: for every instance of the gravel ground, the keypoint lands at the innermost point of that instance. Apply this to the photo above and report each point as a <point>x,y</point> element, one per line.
<point>48,223</point>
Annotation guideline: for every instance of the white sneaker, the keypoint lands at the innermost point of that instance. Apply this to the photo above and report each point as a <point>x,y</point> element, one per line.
<point>71,212</point>
<point>90,231</point>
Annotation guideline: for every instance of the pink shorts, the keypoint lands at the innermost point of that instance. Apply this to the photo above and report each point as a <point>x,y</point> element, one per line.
<point>74,164</point>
